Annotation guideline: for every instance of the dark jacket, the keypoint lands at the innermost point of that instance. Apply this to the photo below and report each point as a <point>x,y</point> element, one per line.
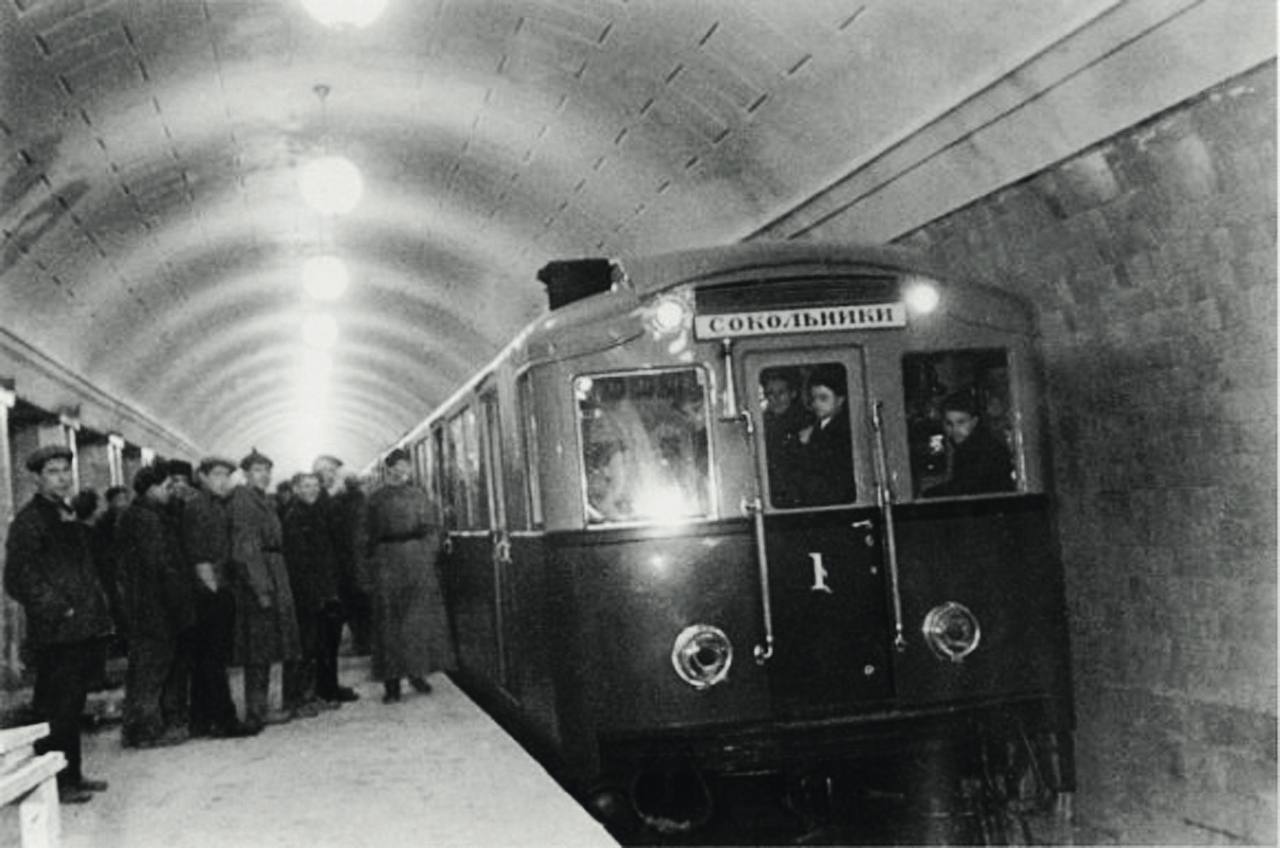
<point>347,523</point>
<point>826,464</point>
<point>783,453</point>
<point>309,554</point>
<point>50,571</point>
<point>979,464</point>
<point>158,586</point>
<point>206,534</point>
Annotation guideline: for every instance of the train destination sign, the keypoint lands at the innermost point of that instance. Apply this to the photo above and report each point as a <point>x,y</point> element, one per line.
<point>825,319</point>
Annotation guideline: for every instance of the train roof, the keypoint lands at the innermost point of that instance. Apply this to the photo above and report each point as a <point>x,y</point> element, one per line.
<point>650,273</point>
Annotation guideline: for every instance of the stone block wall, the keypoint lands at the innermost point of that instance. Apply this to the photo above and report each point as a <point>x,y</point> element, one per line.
<point>1151,259</point>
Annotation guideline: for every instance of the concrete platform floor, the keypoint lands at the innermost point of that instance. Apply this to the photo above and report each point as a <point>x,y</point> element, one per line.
<point>431,770</point>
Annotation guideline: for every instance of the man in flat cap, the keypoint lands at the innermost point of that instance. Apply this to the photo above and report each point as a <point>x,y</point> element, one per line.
<point>50,571</point>
<point>410,633</point>
<point>160,605</point>
<point>206,544</point>
<point>266,623</point>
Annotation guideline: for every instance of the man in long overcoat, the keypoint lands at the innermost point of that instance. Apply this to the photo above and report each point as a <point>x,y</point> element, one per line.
<point>159,605</point>
<point>266,622</point>
<point>206,543</point>
<point>410,633</point>
<point>50,571</point>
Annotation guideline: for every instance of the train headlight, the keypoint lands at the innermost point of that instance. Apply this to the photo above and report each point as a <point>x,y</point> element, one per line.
<point>702,655</point>
<point>669,313</point>
<point>921,295</point>
<point>952,631</point>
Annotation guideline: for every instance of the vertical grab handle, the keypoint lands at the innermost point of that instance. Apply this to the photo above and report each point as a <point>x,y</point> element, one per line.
<point>763,652</point>
<point>884,495</point>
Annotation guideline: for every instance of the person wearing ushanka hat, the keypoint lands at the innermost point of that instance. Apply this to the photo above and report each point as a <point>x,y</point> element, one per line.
<point>49,569</point>
<point>266,625</point>
<point>160,605</point>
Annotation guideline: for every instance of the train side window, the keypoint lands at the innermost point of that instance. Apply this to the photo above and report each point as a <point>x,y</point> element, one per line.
<point>960,424</point>
<point>645,448</point>
<point>477,491</point>
<point>440,491</point>
<point>807,437</point>
<point>457,513</point>
<point>529,444</point>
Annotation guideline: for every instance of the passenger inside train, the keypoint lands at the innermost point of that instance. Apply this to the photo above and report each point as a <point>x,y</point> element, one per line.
<point>979,461</point>
<point>825,446</point>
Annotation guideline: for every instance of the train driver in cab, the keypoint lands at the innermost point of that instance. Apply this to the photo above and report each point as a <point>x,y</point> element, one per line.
<point>784,417</point>
<point>979,461</point>
<point>826,449</point>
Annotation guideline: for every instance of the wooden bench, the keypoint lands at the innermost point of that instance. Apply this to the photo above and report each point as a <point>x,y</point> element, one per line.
<point>28,783</point>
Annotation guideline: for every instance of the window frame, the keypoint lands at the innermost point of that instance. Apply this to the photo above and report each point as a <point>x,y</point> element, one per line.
<point>713,493</point>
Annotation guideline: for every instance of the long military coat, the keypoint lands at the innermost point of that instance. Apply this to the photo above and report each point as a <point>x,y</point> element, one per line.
<point>158,588</point>
<point>411,634</point>
<point>50,571</point>
<point>263,635</point>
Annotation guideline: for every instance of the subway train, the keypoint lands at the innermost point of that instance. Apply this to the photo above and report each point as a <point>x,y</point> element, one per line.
<point>713,515</point>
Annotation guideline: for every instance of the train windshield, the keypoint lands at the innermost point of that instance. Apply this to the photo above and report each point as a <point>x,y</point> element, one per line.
<point>807,440</point>
<point>645,450</point>
<point>960,425</point>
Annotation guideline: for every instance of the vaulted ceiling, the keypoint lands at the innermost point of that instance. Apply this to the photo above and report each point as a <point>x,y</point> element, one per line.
<point>150,152</point>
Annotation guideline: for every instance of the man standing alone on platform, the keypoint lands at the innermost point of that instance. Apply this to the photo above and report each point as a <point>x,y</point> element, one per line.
<point>266,624</point>
<point>206,543</point>
<point>411,635</point>
<point>160,609</point>
<point>50,571</point>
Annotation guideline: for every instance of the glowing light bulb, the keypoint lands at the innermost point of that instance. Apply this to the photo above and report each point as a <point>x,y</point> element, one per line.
<point>320,331</point>
<point>921,297</point>
<point>325,277</point>
<point>331,184</point>
<point>337,13</point>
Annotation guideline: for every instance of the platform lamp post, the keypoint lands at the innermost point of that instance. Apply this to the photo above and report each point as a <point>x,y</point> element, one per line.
<point>69,419</point>
<point>115,458</point>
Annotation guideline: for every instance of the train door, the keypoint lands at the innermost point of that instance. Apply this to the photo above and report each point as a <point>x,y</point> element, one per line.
<point>500,539</point>
<point>819,529</point>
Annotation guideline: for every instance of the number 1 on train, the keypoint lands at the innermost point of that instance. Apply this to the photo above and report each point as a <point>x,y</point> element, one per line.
<point>819,575</point>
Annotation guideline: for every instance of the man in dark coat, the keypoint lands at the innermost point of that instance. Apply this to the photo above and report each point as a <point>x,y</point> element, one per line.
<point>825,473</point>
<point>410,635</point>
<point>50,571</point>
<point>784,418</point>
<point>313,575</point>
<point>177,694</point>
<point>206,544</point>
<point>159,604</point>
<point>266,623</point>
<point>104,556</point>
<point>979,462</point>
<point>344,502</point>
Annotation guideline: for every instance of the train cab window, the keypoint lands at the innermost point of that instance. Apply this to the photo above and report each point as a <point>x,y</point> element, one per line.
<point>645,449</point>
<point>807,438</point>
<point>960,426</point>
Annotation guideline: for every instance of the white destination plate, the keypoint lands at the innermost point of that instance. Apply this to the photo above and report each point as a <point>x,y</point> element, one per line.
<point>824,319</point>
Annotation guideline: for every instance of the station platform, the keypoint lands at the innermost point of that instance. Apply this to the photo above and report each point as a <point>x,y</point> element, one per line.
<point>431,770</point>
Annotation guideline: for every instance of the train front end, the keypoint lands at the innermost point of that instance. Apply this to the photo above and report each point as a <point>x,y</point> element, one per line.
<point>805,523</point>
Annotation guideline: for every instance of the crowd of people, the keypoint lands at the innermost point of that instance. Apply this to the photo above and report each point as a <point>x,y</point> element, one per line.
<point>195,572</point>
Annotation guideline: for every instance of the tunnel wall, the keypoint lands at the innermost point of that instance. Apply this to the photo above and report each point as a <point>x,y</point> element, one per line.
<point>1151,258</point>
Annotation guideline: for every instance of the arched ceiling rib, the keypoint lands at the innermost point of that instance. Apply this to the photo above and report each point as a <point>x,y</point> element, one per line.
<point>152,229</point>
